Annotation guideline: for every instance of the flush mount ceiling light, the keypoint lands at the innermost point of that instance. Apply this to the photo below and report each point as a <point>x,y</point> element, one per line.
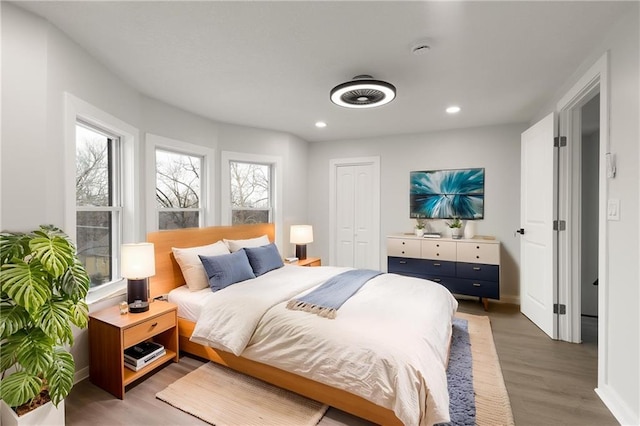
<point>363,92</point>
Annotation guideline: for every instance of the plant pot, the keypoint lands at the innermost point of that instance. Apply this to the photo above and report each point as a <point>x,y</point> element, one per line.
<point>47,414</point>
<point>456,233</point>
<point>419,232</point>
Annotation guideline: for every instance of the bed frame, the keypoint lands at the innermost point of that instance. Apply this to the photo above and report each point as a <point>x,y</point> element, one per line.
<point>168,276</point>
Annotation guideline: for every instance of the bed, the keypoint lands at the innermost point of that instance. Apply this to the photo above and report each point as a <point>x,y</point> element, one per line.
<point>278,357</point>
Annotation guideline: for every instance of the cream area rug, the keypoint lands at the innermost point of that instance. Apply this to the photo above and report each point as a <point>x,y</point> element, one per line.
<point>222,397</point>
<point>492,400</point>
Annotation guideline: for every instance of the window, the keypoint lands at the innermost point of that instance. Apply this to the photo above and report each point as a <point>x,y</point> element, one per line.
<point>254,194</point>
<point>250,192</point>
<point>178,183</point>
<point>98,202</point>
<point>101,202</point>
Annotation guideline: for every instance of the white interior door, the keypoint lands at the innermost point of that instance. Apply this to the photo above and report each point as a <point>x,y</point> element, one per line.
<point>538,203</point>
<point>355,213</point>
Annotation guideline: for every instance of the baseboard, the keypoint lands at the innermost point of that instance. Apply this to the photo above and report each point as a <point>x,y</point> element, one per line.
<point>616,405</point>
<point>81,374</point>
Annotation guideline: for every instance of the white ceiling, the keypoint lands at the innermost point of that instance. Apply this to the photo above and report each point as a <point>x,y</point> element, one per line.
<point>272,64</point>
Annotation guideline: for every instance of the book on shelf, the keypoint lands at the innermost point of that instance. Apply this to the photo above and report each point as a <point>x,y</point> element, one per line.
<point>143,353</point>
<point>146,361</point>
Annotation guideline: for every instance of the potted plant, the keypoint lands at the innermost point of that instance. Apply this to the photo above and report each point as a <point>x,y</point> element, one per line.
<point>43,290</point>
<point>456,228</point>
<point>419,228</point>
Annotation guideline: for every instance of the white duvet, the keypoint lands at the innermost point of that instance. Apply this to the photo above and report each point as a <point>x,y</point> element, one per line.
<point>388,343</point>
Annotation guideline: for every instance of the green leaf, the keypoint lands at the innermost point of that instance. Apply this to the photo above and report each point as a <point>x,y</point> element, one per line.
<point>12,318</point>
<point>60,376</point>
<point>35,351</point>
<point>75,281</point>
<point>80,314</point>
<point>25,283</point>
<point>13,245</point>
<point>8,350</point>
<point>54,320</point>
<point>19,388</point>
<point>54,252</point>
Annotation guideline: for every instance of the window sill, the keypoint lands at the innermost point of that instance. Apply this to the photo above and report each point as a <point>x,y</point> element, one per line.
<point>107,291</point>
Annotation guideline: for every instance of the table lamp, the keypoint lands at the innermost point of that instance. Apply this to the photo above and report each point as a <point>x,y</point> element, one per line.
<point>138,264</point>
<point>301,235</point>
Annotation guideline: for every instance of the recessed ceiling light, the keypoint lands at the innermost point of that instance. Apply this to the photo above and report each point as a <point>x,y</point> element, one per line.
<point>321,124</point>
<point>453,109</point>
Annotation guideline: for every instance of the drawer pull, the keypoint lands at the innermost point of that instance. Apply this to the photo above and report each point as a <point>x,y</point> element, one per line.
<point>402,252</point>
<point>437,280</point>
<point>478,247</point>
<point>477,257</point>
<point>403,243</point>
<point>154,324</point>
<point>476,268</point>
<point>403,262</point>
<point>437,254</point>
<point>436,264</point>
<point>477,285</point>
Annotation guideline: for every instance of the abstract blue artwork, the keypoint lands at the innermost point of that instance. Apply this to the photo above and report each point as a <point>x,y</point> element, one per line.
<point>446,194</point>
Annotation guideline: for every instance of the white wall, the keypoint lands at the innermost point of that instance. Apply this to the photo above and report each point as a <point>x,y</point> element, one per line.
<point>496,148</point>
<point>40,64</point>
<point>619,383</point>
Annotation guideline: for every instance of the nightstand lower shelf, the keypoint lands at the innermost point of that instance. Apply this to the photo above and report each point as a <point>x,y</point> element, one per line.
<point>131,376</point>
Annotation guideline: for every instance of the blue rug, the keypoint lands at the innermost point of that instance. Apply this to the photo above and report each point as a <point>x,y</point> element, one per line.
<point>462,402</point>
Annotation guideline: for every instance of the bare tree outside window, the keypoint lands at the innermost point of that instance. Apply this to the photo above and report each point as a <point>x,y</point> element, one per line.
<point>97,208</point>
<point>250,192</point>
<point>178,190</point>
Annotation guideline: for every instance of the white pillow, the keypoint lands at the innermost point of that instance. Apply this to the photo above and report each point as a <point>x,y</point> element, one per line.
<point>192,270</point>
<point>235,245</point>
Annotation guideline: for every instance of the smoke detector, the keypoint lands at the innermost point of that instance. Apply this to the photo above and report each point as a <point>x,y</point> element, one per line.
<point>363,92</point>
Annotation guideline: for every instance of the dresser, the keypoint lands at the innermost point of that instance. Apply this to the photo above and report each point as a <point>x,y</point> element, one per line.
<point>468,266</point>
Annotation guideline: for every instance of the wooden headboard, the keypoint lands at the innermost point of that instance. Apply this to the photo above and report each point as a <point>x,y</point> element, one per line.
<point>168,275</point>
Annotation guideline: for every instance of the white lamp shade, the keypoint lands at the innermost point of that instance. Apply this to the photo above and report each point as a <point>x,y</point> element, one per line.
<point>138,260</point>
<point>301,234</point>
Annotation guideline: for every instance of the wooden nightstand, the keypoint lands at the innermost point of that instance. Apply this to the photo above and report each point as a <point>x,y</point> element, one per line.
<point>309,261</point>
<point>111,333</point>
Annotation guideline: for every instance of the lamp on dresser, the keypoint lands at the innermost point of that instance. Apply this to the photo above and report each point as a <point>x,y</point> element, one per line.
<point>301,235</point>
<point>138,264</point>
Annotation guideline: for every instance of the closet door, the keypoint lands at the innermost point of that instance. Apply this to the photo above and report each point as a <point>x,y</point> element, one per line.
<point>356,192</point>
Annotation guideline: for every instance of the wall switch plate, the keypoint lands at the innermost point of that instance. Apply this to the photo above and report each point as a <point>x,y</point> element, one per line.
<point>613,209</point>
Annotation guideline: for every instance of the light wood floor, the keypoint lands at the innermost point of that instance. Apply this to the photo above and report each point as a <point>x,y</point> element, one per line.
<point>549,383</point>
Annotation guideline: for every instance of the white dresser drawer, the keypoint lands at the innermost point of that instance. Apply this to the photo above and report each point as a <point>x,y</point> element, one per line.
<point>439,250</point>
<point>400,247</point>
<point>474,252</point>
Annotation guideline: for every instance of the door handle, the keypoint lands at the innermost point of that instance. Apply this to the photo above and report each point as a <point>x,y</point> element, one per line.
<point>519,231</point>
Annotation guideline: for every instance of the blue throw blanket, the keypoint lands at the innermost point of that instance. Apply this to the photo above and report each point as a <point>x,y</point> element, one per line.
<point>327,299</point>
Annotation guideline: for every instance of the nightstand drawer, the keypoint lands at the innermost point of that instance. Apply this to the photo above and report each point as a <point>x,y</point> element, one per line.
<point>403,248</point>
<point>148,329</point>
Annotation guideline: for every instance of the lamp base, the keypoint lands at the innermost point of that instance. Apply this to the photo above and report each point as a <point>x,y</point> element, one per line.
<point>138,306</point>
<point>138,295</point>
<point>301,251</point>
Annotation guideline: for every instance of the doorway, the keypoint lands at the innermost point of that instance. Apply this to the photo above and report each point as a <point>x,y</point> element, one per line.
<point>589,217</point>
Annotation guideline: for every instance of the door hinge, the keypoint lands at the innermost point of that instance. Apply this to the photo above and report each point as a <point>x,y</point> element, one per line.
<point>559,141</point>
<point>559,309</point>
<point>559,225</point>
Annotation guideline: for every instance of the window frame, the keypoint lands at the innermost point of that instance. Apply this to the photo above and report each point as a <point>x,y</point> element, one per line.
<point>276,186</point>
<point>207,184</point>
<point>77,110</point>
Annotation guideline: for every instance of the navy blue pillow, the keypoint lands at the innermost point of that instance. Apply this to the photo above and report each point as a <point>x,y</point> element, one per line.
<point>226,269</point>
<point>264,259</point>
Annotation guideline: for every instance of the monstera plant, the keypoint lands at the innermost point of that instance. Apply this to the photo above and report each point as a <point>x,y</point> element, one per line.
<point>44,286</point>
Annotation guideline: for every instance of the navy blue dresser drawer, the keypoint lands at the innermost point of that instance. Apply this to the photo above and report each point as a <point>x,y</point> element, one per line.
<point>488,289</point>
<point>421,266</point>
<point>477,271</point>
<point>404,265</point>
